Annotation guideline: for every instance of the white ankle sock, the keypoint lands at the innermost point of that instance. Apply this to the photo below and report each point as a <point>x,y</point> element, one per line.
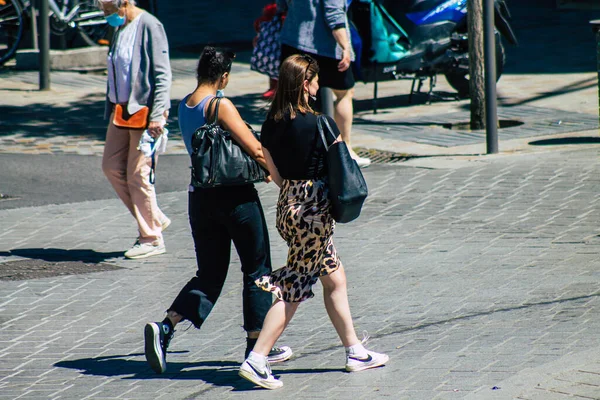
<point>257,359</point>
<point>357,350</point>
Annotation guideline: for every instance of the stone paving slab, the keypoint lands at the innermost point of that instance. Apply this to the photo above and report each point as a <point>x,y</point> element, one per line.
<point>468,277</point>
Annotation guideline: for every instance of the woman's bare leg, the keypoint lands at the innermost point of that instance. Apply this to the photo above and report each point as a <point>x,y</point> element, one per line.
<point>279,316</point>
<point>335,295</point>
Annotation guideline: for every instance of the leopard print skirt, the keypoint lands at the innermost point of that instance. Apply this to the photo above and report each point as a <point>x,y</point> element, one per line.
<point>304,221</point>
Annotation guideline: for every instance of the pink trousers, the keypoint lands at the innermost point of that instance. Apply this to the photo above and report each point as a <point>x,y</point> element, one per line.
<point>128,171</point>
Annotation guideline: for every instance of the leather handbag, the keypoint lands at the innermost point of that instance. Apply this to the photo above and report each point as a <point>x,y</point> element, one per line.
<point>217,160</point>
<point>123,119</point>
<point>347,186</point>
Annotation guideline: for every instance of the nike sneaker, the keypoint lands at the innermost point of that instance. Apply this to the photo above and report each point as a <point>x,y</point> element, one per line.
<point>368,360</point>
<point>260,376</point>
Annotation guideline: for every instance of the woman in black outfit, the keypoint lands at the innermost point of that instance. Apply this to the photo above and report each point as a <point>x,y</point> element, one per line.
<point>295,155</point>
<point>218,217</point>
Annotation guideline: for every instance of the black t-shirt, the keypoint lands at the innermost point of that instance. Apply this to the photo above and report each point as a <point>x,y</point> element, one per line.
<point>296,146</point>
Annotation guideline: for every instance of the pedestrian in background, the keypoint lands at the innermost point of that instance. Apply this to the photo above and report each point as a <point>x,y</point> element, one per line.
<point>295,154</point>
<point>218,217</point>
<point>139,77</point>
<point>267,47</point>
<point>320,29</point>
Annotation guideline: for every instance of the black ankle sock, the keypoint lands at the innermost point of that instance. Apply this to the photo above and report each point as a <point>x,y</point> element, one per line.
<point>168,322</point>
<point>249,346</point>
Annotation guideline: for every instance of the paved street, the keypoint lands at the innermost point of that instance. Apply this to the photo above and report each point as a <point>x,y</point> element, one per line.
<point>478,274</point>
<point>468,277</point>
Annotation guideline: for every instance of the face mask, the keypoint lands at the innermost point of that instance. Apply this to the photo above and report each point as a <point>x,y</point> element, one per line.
<point>312,100</point>
<point>115,20</point>
<point>220,93</point>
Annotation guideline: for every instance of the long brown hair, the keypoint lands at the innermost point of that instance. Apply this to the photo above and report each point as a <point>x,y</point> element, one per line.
<point>289,98</point>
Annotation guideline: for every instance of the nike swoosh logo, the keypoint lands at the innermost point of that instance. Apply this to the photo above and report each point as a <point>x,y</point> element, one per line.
<point>263,375</point>
<point>369,358</point>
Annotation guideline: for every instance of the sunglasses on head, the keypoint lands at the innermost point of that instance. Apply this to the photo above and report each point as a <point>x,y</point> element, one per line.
<point>310,60</point>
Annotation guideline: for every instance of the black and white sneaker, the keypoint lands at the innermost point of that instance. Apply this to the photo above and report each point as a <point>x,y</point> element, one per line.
<point>259,376</point>
<point>157,336</point>
<point>355,363</point>
<point>279,354</point>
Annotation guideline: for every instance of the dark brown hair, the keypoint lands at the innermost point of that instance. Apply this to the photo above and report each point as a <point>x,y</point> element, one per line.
<point>213,63</point>
<point>289,98</point>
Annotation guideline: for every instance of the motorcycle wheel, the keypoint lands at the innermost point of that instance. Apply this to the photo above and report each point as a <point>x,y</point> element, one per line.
<point>459,79</point>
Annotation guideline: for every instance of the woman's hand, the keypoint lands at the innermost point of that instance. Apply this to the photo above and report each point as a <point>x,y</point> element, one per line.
<point>155,129</point>
<point>344,64</point>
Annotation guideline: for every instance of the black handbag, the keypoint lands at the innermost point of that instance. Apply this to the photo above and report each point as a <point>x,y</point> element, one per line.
<point>217,160</point>
<point>347,185</point>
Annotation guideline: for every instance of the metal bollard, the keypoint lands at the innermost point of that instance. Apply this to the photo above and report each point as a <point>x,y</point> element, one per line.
<point>326,101</point>
<point>44,56</point>
<point>596,29</point>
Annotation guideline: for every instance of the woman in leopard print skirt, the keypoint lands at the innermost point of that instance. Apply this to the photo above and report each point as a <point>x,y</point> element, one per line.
<point>295,155</point>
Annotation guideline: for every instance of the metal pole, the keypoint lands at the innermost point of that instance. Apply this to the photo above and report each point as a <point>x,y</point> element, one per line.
<point>327,101</point>
<point>44,56</point>
<point>489,49</point>
<point>596,29</point>
<point>34,31</point>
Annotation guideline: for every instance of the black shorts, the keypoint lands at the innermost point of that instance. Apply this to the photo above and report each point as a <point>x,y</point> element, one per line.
<point>329,76</point>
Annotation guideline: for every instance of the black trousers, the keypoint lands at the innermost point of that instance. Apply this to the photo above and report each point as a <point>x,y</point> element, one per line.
<point>218,217</point>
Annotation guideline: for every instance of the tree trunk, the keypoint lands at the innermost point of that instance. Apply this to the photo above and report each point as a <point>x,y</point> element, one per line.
<point>476,63</point>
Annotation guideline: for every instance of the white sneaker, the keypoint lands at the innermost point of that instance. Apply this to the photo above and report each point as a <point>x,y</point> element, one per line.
<point>261,377</point>
<point>279,354</point>
<point>164,223</point>
<point>362,161</point>
<point>143,250</point>
<point>371,360</point>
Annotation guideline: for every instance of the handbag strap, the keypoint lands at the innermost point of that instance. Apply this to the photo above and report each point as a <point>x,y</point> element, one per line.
<point>216,111</point>
<point>321,119</point>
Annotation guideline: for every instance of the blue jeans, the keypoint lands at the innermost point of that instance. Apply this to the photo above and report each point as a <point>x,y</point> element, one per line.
<point>218,217</point>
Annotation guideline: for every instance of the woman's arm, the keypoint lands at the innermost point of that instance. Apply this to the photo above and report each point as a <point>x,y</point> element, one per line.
<point>341,37</point>
<point>272,168</point>
<point>158,49</point>
<point>230,119</point>
<point>335,18</point>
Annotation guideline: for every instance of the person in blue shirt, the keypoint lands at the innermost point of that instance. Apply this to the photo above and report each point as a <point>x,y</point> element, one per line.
<point>219,216</point>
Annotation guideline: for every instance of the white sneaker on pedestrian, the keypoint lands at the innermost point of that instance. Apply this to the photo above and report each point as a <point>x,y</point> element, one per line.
<point>259,376</point>
<point>279,354</point>
<point>362,161</point>
<point>143,250</point>
<point>355,363</point>
<point>164,223</point>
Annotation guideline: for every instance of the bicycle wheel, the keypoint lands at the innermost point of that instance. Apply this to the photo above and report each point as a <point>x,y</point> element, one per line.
<point>91,24</point>
<point>11,28</point>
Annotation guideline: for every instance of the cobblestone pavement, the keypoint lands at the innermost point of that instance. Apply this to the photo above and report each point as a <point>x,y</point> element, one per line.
<point>478,275</point>
<point>480,280</point>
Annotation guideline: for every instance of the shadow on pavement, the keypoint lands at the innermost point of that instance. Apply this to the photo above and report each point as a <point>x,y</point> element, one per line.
<point>218,373</point>
<point>83,117</point>
<point>565,141</point>
<point>402,100</point>
<point>57,255</point>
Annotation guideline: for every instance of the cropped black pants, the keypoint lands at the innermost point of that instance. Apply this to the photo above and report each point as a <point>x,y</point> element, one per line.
<point>218,217</point>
